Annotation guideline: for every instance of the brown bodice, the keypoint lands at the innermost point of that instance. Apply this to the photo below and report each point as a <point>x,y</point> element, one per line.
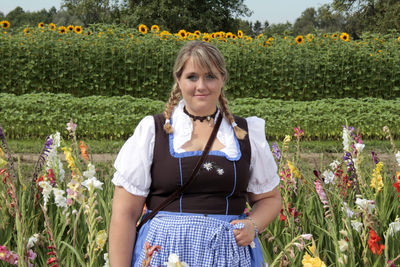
<point>221,185</point>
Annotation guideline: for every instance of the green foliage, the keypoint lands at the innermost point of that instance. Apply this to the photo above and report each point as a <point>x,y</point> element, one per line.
<point>115,61</point>
<point>35,115</point>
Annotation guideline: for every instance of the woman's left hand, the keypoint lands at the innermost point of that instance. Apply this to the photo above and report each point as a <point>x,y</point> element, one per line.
<point>245,235</point>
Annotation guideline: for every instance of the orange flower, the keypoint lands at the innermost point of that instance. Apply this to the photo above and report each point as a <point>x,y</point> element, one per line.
<point>84,153</point>
<point>373,243</point>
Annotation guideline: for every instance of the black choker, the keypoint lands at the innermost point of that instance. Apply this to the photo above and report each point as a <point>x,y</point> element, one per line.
<point>200,118</point>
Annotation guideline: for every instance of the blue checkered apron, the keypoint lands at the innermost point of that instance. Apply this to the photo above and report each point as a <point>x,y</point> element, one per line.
<point>198,240</point>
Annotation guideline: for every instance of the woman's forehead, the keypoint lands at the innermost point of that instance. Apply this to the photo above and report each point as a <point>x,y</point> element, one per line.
<point>197,65</point>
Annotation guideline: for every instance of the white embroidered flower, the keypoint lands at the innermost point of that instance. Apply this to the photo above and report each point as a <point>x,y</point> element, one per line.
<point>208,166</point>
<point>334,164</point>
<point>394,227</point>
<point>329,177</point>
<point>91,171</point>
<point>346,139</point>
<point>46,190</point>
<point>359,147</point>
<point>94,182</point>
<point>357,225</point>
<point>398,157</point>
<point>59,198</point>
<point>220,171</point>
<point>366,204</point>
<point>32,240</point>
<point>173,261</point>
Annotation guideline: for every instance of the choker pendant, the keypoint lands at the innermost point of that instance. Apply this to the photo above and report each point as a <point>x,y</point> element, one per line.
<point>201,118</point>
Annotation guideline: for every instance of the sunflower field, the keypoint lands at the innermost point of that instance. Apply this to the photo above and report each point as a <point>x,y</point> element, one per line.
<point>113,61</point>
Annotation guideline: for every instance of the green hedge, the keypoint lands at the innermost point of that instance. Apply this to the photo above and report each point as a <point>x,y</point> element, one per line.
<point>111,62</point>
<point>38,115</point>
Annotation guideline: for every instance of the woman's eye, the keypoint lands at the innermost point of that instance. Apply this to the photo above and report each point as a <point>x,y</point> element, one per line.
<point>210,77</point>
<point>192,77</point>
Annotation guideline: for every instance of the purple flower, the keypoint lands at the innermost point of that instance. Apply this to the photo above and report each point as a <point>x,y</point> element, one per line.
<point>277,152</point>
<point>374,157</point>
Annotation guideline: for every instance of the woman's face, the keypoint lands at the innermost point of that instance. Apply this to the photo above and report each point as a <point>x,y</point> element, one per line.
<point>200,88</point>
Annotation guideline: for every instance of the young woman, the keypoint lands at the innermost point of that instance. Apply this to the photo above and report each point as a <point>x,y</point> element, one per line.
<point>205,226</point>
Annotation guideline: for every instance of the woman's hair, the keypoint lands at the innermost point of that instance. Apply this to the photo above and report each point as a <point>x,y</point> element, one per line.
<point>207,56</point>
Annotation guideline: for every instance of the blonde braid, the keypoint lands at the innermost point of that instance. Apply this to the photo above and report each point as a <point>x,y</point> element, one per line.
<point>173,100</point>
<point>239,132</point>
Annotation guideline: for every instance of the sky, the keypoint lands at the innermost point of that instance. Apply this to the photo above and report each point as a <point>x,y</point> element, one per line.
<point>273,11</point>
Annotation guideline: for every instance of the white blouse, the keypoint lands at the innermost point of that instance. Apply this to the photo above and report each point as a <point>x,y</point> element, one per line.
<point>134,160</point>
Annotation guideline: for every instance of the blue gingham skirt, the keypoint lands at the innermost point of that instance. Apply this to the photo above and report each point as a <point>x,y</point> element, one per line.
<point>198,240</point>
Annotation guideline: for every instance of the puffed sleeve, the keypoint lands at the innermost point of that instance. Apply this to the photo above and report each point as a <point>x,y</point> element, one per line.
<point>135,158</point>
<point>263,169</point>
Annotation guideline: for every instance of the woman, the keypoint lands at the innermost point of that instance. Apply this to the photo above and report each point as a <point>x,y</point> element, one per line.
<point>205,226</point>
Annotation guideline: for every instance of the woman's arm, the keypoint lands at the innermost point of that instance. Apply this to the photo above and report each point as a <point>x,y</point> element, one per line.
<point>266,207</point>
<point>126,211</point>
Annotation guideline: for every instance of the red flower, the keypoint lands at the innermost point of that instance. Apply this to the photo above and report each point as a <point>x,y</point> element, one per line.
<point>52,260</point>
<point>373,243</point>
<point>283,217</point>
<point>397,186</point>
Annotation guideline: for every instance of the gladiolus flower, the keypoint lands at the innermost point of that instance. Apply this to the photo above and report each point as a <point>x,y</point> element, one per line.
<point>373,243</point>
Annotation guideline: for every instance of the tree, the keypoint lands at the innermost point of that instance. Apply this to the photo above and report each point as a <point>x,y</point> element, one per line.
<point>306,23</point>
<point>279,29</point>
<point>257,28</point>
<point>191,15</point>
<point>329,21</point>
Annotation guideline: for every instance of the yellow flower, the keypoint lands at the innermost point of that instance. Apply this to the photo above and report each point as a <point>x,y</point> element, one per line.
<point>3,163</point>
<point>300,39</point>
<point>197,32</point>
<point>78,29</point>
<point>143,29</point>
<point>164,35</point>
<point>334,36</point>
<point>250,39</point>
<point>206,38</point>
<point>70,28</point>
<point>376,181</point>
<point>5,24</point>
<point>182,34</point>
<point>68,157</point>
<point>325,35</point>
<point>260,35</point>
<point>345,37</point>
<point>41,25</point>
<point>240,34</point>
<point>101,239</point>
<point>309,261</point>
<point>234,37</point>
<point>155,28</point>
<point>27,31</point>
<point>398,38</point>
<point>52,26</point>
<point>294,170</point>
<point>62,29</point>
<point>229,35</point>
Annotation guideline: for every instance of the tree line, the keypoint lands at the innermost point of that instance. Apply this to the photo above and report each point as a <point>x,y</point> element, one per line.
<point>352,16</point>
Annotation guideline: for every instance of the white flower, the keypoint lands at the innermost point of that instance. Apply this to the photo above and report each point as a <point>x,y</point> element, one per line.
<point>220,171</point>
<point>94,182</point>
<point>329,177</point>
<point>347,210</point>
<point>173,261</point>
<point>46,190</point>
<point>59,198</point>
<point>343,245</point>
<point>366,204</point>
<point>306,236</point>
<point>346,141</point>
<point>106,261</point>
<point>32,240</point>
<point>56,140</point>
<point>359,147</point>
<point>91,171</point>
<point>398,157</point>
<point>334,164</point>
<point>357,225</point>
<point>394,227</point>
<point>208,166</point>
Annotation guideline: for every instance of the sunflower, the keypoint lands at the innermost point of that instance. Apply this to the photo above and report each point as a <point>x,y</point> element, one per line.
<point>325,35</point>
<point>300,39</point>
<point>62,29</point>
<point>27,31</point>
<point>70,28</point>
<point>398,38</point>
<point>191,36</point>
<point>143,29</point>
<point>213,35</point>
<point>260,35</point>
<point>334,36</point>
<point>240,34</point>
<point>222,34</point>
<point>217,35</point>
<point>52,26</point>
<point>182,34</point>
<point>234,37</point>
<point>78,29</point>
<point>40,25</point>
<point>249,38</point>
<point>229,35</point>
<point>5,24</point>
<point>310,37</point>
<point>345,37</point>
<point>155,28</point>
<point>206,38</point>
<point>197,32</point>
<point>164,35</point>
